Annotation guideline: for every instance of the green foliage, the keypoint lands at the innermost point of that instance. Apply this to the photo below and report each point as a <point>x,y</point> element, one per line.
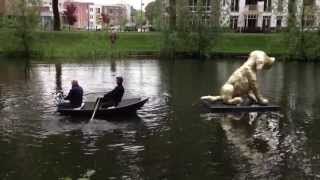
<point>139,17</point>
<point>153,14</point>
<point>303,44</point>
<point>170,40</point>
<point>23,24</point>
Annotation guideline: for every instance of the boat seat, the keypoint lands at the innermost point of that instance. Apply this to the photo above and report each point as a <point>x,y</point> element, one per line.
<point>79,108</point>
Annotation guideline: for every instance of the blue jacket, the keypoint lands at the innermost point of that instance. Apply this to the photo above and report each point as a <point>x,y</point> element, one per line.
<point>75,96</point>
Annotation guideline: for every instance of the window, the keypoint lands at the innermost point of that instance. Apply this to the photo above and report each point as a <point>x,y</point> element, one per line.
<point>266,22</point>
<point>91,17</point>
<point>98,10</point>
<point>309,21</point>
<point>251,21</point>
<point>279,21</point>
<point>235,5</point>
<point>251,2</point>
<point>267,5</point>
<point>234,22</point>
<point>91,9</point>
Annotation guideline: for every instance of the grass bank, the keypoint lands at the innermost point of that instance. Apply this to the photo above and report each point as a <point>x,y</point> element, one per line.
<point>96,45</point>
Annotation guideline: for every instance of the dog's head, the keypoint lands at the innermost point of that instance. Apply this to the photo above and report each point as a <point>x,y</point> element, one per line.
<point>262,60</point>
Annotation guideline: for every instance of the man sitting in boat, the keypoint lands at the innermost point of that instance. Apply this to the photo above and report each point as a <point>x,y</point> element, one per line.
<point>113,97</point>
<point>75,95</point>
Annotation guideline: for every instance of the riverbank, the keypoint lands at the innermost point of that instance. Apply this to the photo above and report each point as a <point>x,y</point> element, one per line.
<point>79,45</point>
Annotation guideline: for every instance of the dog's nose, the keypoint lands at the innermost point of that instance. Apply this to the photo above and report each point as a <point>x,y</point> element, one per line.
<point>272,59</point>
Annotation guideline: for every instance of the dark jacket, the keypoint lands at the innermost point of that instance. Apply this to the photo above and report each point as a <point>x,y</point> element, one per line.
<point>75,96</point>
<point>115,95</point>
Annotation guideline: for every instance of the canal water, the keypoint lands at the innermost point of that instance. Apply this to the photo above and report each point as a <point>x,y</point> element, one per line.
<point>172,136</point>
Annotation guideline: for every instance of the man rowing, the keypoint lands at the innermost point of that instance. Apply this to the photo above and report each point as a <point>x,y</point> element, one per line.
<point>75,95</point>
<point>114,97</point>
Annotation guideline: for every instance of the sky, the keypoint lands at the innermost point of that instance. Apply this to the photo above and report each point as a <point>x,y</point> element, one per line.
<point>135,3</point>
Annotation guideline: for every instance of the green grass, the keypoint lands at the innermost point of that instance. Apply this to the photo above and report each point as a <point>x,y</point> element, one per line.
<point>244,43</point>
<point>96,44</point>
<point>93,44</point>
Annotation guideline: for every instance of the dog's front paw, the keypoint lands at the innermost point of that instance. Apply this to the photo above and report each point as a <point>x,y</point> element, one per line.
<point>264,101</point>
<point>205,97</point>
<point>211,98</point>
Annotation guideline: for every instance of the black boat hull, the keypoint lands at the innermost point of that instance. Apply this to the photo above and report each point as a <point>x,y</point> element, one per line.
<point>220,107</point>
<point>127,107</point>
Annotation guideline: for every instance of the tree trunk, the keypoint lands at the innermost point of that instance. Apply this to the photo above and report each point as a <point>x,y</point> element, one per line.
<point>172,14</point>
<point>56,15</point>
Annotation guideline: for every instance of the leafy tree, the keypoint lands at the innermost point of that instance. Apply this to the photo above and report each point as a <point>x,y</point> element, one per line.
<point>153,13</point>
<point>301,38</point>
<point>139,17</point>
<point>56,15</point>
<point>105,19</point>
<point>25,24</point>
<point>192,30</point>
<point>173,15</point>
<point>70,14</point>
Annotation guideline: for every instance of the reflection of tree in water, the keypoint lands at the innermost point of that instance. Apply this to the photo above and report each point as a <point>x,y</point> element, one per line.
<point>254,146</point>
<point>298,96</point>
<point>278,147</point>
<point>58,77</point>
<point>113,66</point>
<point>1,102</point>
<point>27,69</point>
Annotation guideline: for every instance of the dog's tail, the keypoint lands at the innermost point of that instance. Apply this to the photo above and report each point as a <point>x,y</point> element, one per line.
<point>211,98</point>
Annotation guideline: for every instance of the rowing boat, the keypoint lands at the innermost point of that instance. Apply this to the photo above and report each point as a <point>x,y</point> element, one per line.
<point>125,107</point>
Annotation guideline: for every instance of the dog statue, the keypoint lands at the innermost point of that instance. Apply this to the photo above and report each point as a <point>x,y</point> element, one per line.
<point>243,82</point>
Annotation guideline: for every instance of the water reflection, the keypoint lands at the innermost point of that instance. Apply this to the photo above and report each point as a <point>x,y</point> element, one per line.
<point>168,139</point>
<point>58,77</point>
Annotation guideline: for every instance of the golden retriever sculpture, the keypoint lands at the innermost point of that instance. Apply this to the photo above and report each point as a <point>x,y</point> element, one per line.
<point>243,82</point>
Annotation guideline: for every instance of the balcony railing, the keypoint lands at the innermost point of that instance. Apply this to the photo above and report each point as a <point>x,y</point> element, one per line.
<point>198,9</point>
<point>252,7</point>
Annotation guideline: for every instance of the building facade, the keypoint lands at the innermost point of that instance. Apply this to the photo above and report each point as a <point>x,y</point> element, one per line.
<point>246,15</point>
<point>89,15</point>
<point>118,14</point>
<point>6,7</point>
<point>309,10</point>
<point>83,14</point>
<point>254,15</point>
<point>46,13</point>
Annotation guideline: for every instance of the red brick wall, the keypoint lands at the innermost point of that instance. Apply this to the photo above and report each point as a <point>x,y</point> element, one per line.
<point>81,13</point>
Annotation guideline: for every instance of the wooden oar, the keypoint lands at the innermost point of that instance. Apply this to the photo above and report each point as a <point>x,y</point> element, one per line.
<point>96,107</point>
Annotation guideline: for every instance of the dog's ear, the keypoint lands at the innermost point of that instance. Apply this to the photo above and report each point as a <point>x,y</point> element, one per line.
<point>259,63</point>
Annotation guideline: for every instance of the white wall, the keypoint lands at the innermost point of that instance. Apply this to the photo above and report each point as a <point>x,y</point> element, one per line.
<point>226,13</point>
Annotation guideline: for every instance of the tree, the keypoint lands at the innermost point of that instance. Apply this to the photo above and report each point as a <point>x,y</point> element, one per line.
<point>56,15</point>
<point>139,17</point>
<point>150,11</point>
<point>153,13</point>
<point>70,14</point>
<point>301,39</point>
<point>26,23</point>
<point>105,19</point>
<point>173,15</point>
